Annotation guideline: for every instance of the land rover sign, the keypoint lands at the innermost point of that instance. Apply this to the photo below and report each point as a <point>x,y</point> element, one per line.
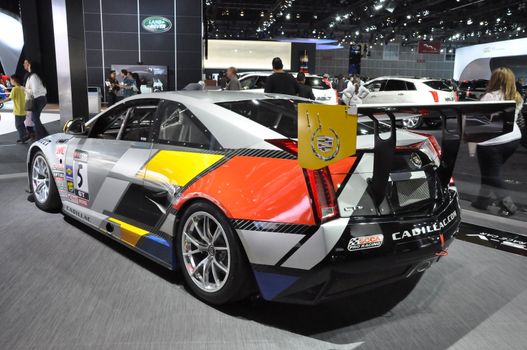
<point>157,24</point>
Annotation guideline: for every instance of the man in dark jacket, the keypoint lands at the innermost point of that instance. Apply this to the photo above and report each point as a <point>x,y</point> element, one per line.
<point>304,90</point>
<point>281,82</point>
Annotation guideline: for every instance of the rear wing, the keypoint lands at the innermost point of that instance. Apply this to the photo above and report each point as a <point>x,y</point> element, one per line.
<point>461,121</point>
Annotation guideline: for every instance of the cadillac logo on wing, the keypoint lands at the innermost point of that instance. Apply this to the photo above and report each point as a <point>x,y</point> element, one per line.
<point>416,160</point>
<point>325,147</point>
<point>324,143</point>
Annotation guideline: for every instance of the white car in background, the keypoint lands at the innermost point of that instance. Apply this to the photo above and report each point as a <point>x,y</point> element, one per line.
<point>255,82</point>
<point>388,90</point>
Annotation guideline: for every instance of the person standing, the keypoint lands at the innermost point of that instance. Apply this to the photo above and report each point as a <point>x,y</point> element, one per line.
<point>138,83</point>
<point>234,83</point>
<point>35,98</point>
<point>112,87</point>
<point>18,96</point>
<point>280,82</point>
<point>304,90</point>
<point>355,92</point>
<point>128,86</point>
<point>493,154</point>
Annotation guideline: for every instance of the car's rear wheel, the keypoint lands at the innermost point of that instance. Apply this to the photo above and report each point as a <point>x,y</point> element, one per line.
<point>43,185</point>
<point>413,122</point>
<point>211,258</point>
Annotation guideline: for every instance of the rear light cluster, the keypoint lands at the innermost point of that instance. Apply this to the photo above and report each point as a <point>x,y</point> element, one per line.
<point>435,95</point>
<point>430,147</point>
<point>323,193</point>
<point>319,182</point>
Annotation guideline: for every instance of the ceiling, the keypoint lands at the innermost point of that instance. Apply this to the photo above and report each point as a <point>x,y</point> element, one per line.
<point>454,22</point>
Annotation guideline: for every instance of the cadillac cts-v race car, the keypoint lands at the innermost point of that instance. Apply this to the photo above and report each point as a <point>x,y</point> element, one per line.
<point>209,182</point>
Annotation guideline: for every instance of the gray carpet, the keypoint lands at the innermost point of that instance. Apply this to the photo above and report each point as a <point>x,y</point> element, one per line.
<point>63,286</point>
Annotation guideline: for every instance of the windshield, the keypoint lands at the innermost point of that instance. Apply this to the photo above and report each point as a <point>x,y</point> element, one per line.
<point>281,115</point>
<point>316,83</point>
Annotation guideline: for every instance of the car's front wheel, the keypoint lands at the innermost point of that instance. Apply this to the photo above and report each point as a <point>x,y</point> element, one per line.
<point>211,258</point>
<point>43,184</point>
<point>413,122</point>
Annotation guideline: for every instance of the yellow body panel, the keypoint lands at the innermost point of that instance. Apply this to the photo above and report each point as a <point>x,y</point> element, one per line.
<point>178,168</point>
<point>129,233</point>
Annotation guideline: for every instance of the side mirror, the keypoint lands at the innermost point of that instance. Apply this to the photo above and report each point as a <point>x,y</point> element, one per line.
<point>75,127</point>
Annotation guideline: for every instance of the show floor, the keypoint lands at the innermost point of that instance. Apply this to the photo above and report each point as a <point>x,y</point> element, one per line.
<point>64,286</point>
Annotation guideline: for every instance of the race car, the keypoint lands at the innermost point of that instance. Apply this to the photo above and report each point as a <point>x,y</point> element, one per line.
<point>209,183</point>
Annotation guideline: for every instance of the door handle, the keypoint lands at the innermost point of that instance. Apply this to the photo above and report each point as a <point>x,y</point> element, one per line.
<point>400,94</point>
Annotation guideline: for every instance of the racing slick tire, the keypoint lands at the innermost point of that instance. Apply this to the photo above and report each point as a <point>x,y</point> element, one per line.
<point>412,122</point>
<point>43,184</point>
<point>210,256</point>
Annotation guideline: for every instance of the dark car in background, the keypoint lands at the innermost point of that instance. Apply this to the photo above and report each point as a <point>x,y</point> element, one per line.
<point>472,90</point>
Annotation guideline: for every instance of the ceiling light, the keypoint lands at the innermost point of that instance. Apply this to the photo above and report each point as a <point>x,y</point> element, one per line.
<point>288,16</point>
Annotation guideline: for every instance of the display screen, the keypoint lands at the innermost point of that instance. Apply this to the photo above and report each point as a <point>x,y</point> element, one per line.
<point>153,78</point>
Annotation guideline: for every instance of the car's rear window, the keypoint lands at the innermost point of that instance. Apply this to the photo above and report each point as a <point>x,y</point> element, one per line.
<point>438,85</point>
<point>281,115</point>
<point>317,83</point>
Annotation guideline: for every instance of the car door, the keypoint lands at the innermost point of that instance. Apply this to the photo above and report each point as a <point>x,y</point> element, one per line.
<point>102,170</point>
<point>395,91</point>
<point>376,89</point>
<point>182,151</point>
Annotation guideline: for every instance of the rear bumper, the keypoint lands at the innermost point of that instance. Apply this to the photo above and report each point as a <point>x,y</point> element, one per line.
<point>409,247</point>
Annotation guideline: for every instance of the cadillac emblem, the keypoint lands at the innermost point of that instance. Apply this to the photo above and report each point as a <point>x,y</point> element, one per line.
<point>326,145</point>
<point>416,160</point>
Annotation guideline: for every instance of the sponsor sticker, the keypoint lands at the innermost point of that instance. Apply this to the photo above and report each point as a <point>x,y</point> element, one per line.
<point>80,156</point>
<point>365,242</point>
<point>69,173</point>
<point>60,153</point>
<point>71,186</point>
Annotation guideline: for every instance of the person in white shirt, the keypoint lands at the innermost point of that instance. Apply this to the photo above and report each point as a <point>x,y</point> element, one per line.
<point>355,92</point>
<point>493,154</point>
<point>35,92</point>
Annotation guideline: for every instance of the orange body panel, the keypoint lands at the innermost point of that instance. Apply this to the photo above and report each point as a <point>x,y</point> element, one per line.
<point>261,189</point>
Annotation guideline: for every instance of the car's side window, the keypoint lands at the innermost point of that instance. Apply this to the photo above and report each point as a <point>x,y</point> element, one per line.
<point>376,86</point>
<point>108,125</point>
<point>260,84</point>
<point>395,85</point>
<point>139,122</point>
<point>248,83</point>
<point>179,126</point>
<point>410,86</point>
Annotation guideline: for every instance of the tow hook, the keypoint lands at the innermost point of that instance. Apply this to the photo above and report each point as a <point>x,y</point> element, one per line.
<point>443,251</point>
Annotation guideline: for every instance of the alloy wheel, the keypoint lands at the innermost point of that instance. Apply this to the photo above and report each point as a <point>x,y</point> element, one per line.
<point>40,179</point>
<point>206,252</point>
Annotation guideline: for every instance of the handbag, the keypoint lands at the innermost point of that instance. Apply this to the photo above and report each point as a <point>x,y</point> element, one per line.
<point>30,102</point>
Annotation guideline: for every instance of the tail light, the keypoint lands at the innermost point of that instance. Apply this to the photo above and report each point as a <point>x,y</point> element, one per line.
<point>433,143</point>
<point>430,147</point>
<point>319,182</point>
<point>435,95</point>
<point>323,193</point>
<point>288,145</point>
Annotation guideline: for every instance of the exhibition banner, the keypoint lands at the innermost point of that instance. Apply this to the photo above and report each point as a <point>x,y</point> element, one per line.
<point>326,134</point>
<point>433,47</point>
